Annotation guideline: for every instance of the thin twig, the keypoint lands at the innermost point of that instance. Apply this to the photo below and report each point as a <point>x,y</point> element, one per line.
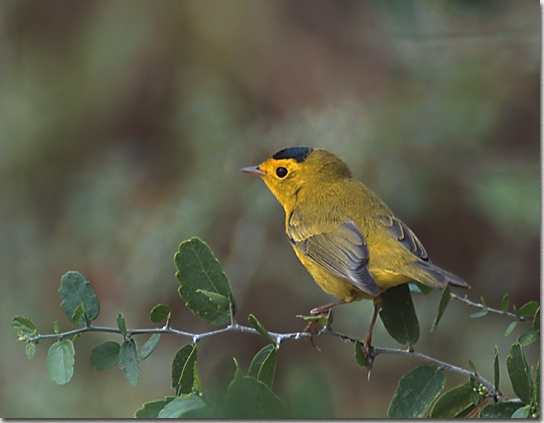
<point>465,300</point>
<point>279,337</point>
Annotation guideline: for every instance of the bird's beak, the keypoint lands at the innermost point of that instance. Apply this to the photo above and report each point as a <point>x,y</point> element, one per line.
<point>255,170</point>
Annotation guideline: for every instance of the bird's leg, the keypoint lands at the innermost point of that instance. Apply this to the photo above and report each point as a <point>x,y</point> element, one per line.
<point>325,310</point>
<point>321,311</point>
<point>368,338</point>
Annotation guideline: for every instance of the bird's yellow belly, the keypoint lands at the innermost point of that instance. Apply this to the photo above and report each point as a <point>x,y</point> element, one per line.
<point>343,289</point>
<point>386,279</point>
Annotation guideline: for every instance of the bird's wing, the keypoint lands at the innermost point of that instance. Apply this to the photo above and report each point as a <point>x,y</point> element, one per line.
<point>439,276</point>
<point>341,251</point>
<point>405,236</point>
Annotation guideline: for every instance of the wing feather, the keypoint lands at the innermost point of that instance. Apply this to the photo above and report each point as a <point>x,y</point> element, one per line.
<point>341,251</point>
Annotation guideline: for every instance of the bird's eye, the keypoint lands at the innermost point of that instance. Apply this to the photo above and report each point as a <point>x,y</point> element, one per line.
<point>281,172</point>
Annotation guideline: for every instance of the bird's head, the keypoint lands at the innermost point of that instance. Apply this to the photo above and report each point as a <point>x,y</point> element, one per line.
<point>293,169</point>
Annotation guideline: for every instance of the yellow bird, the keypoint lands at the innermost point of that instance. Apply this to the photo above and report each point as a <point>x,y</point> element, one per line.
<point>346,237</point>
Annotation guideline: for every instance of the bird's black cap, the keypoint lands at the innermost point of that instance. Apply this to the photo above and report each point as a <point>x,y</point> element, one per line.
<point>297,153</point>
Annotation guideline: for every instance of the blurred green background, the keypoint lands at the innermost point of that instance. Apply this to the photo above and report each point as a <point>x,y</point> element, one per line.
<point>124,126</point>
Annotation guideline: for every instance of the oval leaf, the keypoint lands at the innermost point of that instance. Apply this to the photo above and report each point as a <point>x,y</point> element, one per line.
<point>150,345</point>
<point>453,403</point>
<point>159,313</point>
<point>30,350</point>
<point>105,355</point>
<point>76,291</point>
<point>201,277</point>
<point>130,362</point>
<point>248,398</point>
<point>263,365</point>
<point>499,410</point>
<point>511,327</point>
<point>528,337</point>
<point>442,304</point>
<point>78,312</point>
<point>60,361</point>
<point>360,356</point>
<point>528,309</point>
<point>505,303</point>
<point>399,316</point>
<point>416,392</point>
<point>150,410</point>
<point>522,413</point>
<point>479,314</point>
<point>259,327</point>
<point>496,371</point>
<point>419,287</point>
<point>182,405</point>
<point>122,324</point>
<point>183,369</point>
<point>23,326</point>
<point>518,370</point>
<point>536,320</point>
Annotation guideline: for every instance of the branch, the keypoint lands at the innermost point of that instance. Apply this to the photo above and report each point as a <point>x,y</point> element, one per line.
<point>465,300</point>
<point>278,337</point>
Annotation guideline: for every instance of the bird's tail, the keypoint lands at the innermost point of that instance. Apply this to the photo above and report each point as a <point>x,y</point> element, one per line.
<point>432,275</point>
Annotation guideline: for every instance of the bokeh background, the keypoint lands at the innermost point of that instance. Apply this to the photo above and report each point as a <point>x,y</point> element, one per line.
<point>123,128</point>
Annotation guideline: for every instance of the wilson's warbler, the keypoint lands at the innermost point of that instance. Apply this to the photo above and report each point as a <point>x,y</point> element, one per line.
<point>346,237</point>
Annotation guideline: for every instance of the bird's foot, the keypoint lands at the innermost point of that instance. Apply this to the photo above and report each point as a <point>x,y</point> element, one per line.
<point>368,349</point>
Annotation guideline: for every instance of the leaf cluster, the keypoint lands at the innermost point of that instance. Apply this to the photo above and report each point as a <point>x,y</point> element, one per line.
<point>206,291</point>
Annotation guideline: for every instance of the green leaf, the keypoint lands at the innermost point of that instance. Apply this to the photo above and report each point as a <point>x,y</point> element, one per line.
<point>505,303</point>
<point>203,282</point>
<point>442,304</point>
<point>518,370</point>
<point>122,324</point>
<point>130,362</point>
<point>60,361</point>
<point>321,319</point>
<point>76,291</point>
<point>511,327</point>
<point>522,412</point>
<point>159,313</point>
<point>105,355</point>
<point>499,410</point>
<point>220,301</point>
<point>23,326</point>
<point>483,302</point>
<point>419,287</point>
<point>78,312</point>
<point>536,385</point>
<point>417,390</point>
<point>360,356</point>
<point>249,398</point>
<point>528,309</point>
<point>528,337</point>
<point>474,397</point>
<point>399,316</point>
<point>453,403</point>
<point>536,320</point>
<point>184,369</point>
<point>480,313</point>
<point>472,367</point>
<point>263,365</point>
<point>182,405</point>
<point>150,410</point>
<point>260,328</point>
<point>150,345</point>
<point>56,327</point>
<point>30,350</point>
<point>496,371</point>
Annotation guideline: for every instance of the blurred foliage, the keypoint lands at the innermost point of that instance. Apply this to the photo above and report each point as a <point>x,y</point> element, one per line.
<point>125,124</point>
